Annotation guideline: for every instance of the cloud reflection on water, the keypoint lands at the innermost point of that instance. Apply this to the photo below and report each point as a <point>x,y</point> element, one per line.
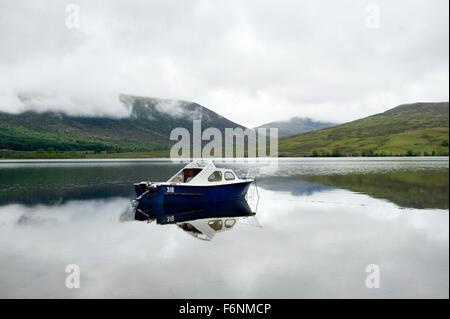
<point>314,244</point>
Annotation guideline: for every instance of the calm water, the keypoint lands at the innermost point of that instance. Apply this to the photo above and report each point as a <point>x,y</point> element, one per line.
<point>318,224</point>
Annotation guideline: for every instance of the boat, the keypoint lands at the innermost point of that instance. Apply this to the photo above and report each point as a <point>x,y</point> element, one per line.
<point>202,221</point>
<point>198,182</point>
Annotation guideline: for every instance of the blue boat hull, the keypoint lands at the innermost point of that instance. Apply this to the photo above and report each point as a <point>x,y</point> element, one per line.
<point>168,195</point>
<point>167,214</point>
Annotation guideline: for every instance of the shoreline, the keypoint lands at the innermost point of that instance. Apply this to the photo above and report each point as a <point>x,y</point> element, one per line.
<point>221,159</point>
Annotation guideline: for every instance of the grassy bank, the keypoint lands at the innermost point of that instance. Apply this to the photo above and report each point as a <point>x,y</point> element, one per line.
<point>413,129</point>
<point>8,155</point>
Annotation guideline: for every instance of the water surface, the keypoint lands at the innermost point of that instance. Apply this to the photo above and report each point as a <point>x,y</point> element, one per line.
<point>318,224</point>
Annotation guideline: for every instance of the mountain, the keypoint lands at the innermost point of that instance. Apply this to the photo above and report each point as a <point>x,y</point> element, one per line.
<point>297,125</point>
<point>147,129</point>
<point>408,129</point>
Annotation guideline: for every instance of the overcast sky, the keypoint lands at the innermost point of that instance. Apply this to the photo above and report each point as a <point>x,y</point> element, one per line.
<point>251,61</point>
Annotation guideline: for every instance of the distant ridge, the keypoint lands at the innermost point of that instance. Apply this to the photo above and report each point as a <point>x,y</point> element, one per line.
<point>408,129</point>
<point>297,125</point>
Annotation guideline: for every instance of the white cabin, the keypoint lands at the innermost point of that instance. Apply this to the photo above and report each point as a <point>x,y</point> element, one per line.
<point>202,173</point>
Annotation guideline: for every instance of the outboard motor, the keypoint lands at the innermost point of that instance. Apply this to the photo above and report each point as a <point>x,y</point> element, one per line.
<point>144,192</point>
<point>144,188</point>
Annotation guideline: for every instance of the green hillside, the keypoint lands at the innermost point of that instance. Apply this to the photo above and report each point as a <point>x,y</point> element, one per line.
<point>410,129</point>
<point>147,129</point>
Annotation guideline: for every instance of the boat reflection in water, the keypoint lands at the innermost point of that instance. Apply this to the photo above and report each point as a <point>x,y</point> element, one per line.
<point>202,221</point>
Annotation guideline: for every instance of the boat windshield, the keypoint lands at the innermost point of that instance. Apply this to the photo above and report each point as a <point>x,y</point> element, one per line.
<point>191,229</point>
<point>185,176</point>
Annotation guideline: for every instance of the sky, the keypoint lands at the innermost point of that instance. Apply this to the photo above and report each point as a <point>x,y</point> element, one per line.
<point>251,61</point>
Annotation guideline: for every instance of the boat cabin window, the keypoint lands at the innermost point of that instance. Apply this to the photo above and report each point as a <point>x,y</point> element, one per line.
<point>229,176</point>
<point>190,173</point>
<point>215,224</point>
<point>177,178</point>
<point>229,223</point>
<point>215,177</point>
<point>186,175</point>
<point>189,228</point>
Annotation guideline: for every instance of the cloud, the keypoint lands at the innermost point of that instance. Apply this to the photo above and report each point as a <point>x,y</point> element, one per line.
<point>172,107</point>
<point>253,61</point>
